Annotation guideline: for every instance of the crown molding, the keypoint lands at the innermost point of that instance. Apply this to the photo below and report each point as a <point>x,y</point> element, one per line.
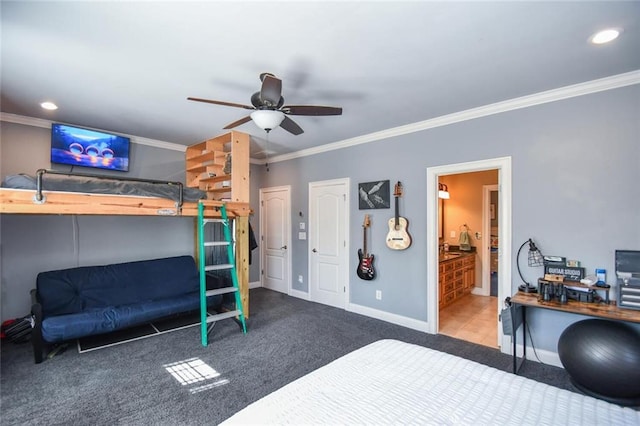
<point>27,121</point>
<point>554,95</point>
<point>46,124</point>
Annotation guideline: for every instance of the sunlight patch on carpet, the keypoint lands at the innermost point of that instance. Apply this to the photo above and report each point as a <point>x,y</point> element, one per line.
<point>190,371</point>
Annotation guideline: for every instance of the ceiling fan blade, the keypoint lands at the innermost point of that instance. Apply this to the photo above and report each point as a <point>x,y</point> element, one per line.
<point>271,90</point>
<point>311,110</point>
<point>238,122</point>
<point>231,104</point>
<point>290,126</point>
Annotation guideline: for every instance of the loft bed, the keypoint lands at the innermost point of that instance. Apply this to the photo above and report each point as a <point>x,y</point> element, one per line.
<point>53,192</point>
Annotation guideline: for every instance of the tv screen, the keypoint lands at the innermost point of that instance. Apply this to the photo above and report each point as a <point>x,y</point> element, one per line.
<point>89,148</point>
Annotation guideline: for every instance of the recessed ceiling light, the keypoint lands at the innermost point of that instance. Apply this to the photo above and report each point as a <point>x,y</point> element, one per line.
<point>49,105</point>
<point>605,36</point>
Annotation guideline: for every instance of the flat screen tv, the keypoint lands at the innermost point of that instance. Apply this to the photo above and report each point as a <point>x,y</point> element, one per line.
<point>89,148</point>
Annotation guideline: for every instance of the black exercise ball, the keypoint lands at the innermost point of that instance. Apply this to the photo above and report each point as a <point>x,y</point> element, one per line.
<point>603,359</point>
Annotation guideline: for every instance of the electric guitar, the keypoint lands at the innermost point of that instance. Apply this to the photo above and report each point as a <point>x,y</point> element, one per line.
<point>365,265</point>
<point>398,238</point>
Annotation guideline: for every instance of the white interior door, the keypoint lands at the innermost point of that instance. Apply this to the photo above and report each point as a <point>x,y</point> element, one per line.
<point>487,232</point>
<point>328,246</point>
<point>275,238</point>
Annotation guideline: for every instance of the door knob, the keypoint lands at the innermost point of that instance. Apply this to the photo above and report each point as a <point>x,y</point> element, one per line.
<point>314,250</point>
<point>284,247</point>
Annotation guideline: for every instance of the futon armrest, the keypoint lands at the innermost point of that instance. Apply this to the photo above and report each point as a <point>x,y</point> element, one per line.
<point>36,332</point>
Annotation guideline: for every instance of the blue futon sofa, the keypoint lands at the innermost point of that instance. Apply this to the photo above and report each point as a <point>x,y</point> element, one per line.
<point>78,302</point>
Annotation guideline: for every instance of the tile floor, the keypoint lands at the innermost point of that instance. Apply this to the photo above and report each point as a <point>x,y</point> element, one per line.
<point>472,318</point>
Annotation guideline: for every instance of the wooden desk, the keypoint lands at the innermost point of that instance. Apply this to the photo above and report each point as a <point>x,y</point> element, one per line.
<point>530,300</point>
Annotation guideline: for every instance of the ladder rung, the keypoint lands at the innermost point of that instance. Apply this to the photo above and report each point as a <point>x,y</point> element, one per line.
<point>216,243</point>
<point>218,267</point>
<point>223,290</point>
<point>224,315</point>
<point>205,221</point>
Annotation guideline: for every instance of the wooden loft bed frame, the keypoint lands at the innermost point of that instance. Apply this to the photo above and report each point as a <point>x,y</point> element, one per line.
<point>39,201</point>
<point>43,202</point>
<point>23,201</point>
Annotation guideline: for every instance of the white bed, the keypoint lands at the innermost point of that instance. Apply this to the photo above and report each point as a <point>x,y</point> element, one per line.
<point>392,382</point>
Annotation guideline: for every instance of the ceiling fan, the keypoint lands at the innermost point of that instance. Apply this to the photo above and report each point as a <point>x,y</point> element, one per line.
<point>269,110</point>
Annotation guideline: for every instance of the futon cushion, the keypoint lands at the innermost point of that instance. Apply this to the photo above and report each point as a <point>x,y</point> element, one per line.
<point>93,288</point>
<point>104,320</point>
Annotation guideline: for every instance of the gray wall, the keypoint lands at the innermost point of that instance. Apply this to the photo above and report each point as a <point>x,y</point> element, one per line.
<point>575,173</point>
<point>576,164</point>
<point>30,244</point>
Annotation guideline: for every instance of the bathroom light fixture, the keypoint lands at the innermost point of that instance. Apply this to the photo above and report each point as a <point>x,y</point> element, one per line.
<point>443,191</point>
<point>49,105</point>
<point>534,258</point>
<point>605,36</point>
<point>267,119</point>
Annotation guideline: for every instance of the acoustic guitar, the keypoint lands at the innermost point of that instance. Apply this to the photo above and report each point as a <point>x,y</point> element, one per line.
<point>365,265</point>
<point>398,238</point>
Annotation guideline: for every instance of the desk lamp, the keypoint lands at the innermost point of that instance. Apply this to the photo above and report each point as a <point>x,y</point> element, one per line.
<point>534,258</point>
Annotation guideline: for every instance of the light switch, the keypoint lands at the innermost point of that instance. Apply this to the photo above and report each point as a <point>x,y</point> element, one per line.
<point>453,234</point>
<point>302,226</point>
<point>302,235</point>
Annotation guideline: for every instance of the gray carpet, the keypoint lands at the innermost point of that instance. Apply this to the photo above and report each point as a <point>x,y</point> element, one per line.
<point>127,384</point>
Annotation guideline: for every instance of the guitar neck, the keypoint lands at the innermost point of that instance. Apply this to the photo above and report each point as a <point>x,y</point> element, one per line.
<point>397,214</point>
<point>364,244</point>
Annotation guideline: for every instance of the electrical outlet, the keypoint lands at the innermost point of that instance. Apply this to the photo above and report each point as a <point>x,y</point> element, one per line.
<point>300,278</point>
<point>453,234</point>
<point>378,294</point>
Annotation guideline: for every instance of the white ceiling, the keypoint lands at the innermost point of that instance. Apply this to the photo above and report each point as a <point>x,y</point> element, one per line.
<point>128,67</point>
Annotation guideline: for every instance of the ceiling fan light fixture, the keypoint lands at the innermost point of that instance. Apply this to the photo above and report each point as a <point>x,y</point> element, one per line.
<point>267,119</point>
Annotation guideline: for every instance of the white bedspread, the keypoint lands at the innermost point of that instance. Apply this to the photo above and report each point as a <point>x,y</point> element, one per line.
<point>392,382</point>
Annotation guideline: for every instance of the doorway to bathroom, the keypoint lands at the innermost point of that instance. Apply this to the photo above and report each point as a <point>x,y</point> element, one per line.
<point>466,308</point>
<point>471,212</point>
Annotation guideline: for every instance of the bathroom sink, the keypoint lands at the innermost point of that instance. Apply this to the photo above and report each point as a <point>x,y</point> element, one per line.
<point>448,256</point>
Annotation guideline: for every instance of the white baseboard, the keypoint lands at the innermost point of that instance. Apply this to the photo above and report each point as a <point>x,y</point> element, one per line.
<point>388,317</point>
<point>479,291</point>
<point>292,292</point>
<point>255,284</point>
<point>299,294</point>
<point>544,356</point>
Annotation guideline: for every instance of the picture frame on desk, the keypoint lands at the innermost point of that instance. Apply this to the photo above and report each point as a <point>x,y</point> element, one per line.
<point>570,273</point>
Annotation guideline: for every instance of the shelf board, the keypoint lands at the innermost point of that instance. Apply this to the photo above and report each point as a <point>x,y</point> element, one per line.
<point>199,168</point>
<point>219,190</point>
<point>207,156</point>
<point>215,179</point>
